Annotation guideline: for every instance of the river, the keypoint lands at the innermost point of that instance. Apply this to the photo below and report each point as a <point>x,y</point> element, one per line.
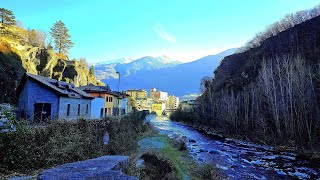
<point>238,159</point>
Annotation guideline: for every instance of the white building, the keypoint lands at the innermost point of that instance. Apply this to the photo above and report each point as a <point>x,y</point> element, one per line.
<point>163,96</point>
<point>158,95</point>
<point>97,103</point>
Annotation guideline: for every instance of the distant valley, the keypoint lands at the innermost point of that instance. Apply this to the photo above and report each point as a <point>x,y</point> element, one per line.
<point>161,72</point>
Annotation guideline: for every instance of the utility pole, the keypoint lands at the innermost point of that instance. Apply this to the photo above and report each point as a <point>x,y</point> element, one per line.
<point>118,99</point>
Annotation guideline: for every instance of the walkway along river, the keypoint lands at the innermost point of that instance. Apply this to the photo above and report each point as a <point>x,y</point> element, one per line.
<point>238,159</point>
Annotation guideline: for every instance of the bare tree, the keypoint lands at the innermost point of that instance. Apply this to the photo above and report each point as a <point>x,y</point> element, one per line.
<point>288,21</point>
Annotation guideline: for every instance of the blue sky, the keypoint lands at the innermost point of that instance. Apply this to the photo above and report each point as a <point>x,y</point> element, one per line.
<point>184,30</point>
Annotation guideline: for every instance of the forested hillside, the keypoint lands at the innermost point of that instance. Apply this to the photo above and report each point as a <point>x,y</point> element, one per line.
<point>269,92</point>
<point>24,50</point>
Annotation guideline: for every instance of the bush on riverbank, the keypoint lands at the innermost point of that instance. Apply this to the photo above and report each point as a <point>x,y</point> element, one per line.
<point>163,159</point>
<point>190,117</point>
<point>156,167</point>
<point>123,134</point>
<point>32,148</point>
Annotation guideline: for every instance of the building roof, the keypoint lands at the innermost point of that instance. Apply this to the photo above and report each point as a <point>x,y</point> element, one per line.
<point>139,90</point>
<point>62,88</point>
<point>94,88</point>
<point>119,94</point>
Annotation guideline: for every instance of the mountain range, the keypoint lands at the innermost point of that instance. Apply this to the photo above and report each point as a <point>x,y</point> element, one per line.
<point>128,66</point>
<point>162,73</point>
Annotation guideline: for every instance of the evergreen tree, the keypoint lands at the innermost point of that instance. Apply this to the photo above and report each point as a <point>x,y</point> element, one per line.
<point>49,46</point>
<point>7,17</point>
<point>33,40</point>
<point>61,36</point>
<point>91,71</point>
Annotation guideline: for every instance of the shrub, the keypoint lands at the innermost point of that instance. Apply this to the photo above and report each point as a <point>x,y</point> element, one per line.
<point>124,133</point>
<point>208,172</point>
<point>31,148</point>
<point>156,167</point>
<point>5,47</point>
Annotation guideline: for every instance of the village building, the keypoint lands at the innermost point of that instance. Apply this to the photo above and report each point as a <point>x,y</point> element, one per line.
<point>126,106</point>
<point>144,104</point>
<point>132,104</point>
<point>137,94</point>
<point>107,102</point>
<point>158,108</point>
<point>158,95</point>
<point>42,99</point>
<point>116,103</point>
<point>121,105</point>
<point>173,102</point>
<point>102,105</point>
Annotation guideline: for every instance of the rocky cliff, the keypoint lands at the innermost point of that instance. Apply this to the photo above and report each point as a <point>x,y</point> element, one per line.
<point>240,69</point>
<point>18,56</point>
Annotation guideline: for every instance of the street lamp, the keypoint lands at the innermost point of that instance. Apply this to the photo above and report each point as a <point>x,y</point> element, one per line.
<point>118,113</point>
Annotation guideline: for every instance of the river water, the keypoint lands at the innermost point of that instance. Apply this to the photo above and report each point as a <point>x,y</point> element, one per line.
<point>238,159</point>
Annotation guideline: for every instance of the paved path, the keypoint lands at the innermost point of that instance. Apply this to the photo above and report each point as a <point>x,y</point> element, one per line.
<point>105,167</point>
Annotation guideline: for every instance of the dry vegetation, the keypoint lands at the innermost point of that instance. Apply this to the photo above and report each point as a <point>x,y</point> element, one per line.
<point>287,22</point>
<point>268,94</point>
<point>280,107</point>
<point>32,148</point>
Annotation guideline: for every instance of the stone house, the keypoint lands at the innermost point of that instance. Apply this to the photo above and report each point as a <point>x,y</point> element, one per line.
<point>42,99</point>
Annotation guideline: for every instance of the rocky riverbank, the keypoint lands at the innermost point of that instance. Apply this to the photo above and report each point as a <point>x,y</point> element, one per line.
<point>239,159</point>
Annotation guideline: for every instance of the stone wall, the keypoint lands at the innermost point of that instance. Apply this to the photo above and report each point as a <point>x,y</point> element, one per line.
<point>5,111</point>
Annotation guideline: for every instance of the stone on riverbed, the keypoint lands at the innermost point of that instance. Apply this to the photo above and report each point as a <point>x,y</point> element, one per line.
<point>105,167</point>
<point>203,150</point>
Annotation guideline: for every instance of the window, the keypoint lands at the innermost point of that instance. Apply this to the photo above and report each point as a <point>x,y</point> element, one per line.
<point>87,109</point>
<point>68,110</point>
<point>78,109</point>
<point>109,99</point>
<point>101,112</point>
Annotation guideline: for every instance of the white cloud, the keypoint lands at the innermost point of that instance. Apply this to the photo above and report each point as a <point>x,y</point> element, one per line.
<point>163,34</point>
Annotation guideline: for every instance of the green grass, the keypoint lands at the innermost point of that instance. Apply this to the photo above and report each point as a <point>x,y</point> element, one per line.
<point>183,165</point>
<point>175,157</point>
